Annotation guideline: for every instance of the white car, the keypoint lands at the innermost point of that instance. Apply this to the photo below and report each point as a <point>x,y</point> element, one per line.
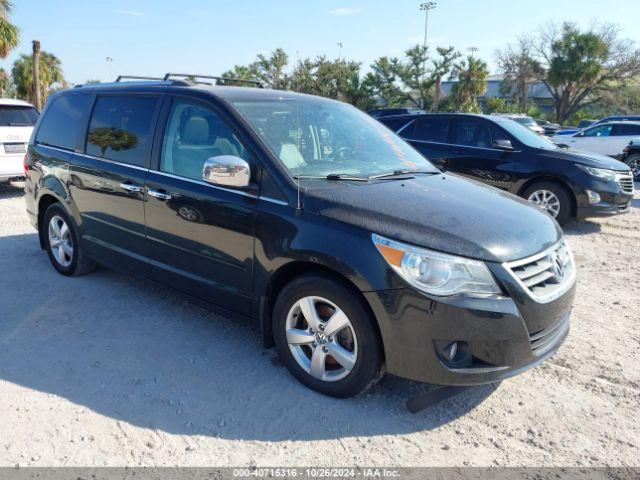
<point>17,119</point>
<point>605,138</point>
<point>523,120</point>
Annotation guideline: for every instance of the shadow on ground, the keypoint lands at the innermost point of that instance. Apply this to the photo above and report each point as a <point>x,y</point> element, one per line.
<point>135,352</point>
<point>11,190</point>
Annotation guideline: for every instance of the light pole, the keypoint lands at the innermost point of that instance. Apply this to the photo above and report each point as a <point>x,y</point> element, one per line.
<point>472,50</point>
<point>426,7</point>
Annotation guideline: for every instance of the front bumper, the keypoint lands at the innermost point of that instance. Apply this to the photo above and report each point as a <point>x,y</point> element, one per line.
<point>613,200</point>
<point>499,338</point>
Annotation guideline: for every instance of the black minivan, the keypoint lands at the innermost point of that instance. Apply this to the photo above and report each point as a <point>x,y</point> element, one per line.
<point>309,219</point>
<point>497,151</point>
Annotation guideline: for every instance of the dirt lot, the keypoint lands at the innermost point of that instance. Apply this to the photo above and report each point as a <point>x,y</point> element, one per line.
<point>110,370</point>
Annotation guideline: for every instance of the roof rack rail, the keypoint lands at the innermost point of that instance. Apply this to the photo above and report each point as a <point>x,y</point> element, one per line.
<point>194,79</point>
<point>136,77</point>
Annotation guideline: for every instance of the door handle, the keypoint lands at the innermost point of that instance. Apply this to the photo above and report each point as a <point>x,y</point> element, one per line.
<point>131,187</point>
<point>161,194</point>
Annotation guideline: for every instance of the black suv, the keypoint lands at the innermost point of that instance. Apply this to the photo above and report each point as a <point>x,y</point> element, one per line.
<point>308,218</point>
<point>502,153</point>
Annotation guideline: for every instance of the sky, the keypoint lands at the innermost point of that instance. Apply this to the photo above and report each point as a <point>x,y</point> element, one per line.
<point>152,37</point>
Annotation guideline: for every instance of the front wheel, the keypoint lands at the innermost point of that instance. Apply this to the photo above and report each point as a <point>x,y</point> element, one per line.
<point>551,198</point>
<point>326,337</point>
<point>634,164</point>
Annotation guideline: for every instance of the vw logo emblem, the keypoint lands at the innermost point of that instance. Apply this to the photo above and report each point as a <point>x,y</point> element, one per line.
<point>557,266</point>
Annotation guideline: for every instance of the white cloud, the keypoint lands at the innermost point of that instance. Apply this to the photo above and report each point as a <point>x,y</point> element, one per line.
<point>129,12</point>
<point>340,12</point>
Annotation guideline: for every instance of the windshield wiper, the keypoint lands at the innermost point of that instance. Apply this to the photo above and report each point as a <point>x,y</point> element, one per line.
<point>332,176</point>
<point>397,173</point>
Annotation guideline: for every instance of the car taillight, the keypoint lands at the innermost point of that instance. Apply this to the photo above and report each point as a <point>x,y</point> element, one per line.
<point>25,164</point>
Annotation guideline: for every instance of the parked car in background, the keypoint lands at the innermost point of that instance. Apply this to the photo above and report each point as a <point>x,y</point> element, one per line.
<point>604,138</point>
<point>17,119</point>
<point>308,218</point>
<point>502,153</point>
<point>581,126</point>
<point>386,112</point>
<point>549,128</point>
<point>523,120</point>
<point>631,156</point>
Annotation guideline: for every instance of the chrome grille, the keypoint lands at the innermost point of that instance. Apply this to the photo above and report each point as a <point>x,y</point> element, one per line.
<point>543,340</point>
<point>547,275</point>
<point>625,180</point>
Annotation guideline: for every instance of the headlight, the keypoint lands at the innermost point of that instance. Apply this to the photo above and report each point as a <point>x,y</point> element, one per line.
<point>436,273</point>
<point>602,173</point>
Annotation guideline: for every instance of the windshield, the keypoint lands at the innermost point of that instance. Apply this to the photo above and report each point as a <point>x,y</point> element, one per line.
<point>527,121</point>
<point>11,116</point>
<point>526,136</point>
<point>314,137</point>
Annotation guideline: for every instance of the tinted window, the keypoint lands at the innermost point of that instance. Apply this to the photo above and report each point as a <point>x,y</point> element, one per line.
<point>395,124</point>
<point>17,116</point>
<point>430,129</point>
<point>193,134</point>
<point>473,133</point>
<point>64,121</point>
<point>120,129</point>
<point>626,130</point>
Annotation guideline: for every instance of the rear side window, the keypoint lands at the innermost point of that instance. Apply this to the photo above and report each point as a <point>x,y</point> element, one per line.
<point>17,116</point>
<point>431,129</point>
<point>473,133</point>
<point>626,130</point>
<point>121,127</point>
<point>63,122</point>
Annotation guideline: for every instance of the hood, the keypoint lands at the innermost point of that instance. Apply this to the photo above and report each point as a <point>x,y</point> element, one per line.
<point>440,212</point>
<point>589,159</point>
<point>15,134</point>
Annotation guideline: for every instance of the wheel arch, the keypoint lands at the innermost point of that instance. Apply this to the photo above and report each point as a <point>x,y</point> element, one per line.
<point>558,181</point>
<point>289,272</point>
<point>45,201</point>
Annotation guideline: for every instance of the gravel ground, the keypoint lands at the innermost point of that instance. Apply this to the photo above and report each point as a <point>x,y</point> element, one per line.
<point>110,370</point>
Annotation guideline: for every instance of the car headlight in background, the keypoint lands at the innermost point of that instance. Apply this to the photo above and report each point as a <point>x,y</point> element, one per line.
<point>436,273</point>
<point>602,173</point>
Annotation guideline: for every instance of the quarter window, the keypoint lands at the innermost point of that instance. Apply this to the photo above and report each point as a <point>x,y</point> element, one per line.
<point>195,133</point>
<point>63,121</point>
<point>626,130</point>
<point>121,128</point>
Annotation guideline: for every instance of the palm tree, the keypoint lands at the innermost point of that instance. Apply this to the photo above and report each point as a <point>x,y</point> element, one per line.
<point>9,33</point>
<point>50,76</point>
<point>472,82</point>
<point>5,82</point>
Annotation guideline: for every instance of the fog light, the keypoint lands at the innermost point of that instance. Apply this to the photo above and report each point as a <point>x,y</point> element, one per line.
<point>450,351</point>
<point>594,197</point>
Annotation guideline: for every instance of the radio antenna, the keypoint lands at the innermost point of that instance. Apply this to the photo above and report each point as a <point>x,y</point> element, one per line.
<point>298,133</point>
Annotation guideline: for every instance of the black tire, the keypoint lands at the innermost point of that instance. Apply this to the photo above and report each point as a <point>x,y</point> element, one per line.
<point>566,205</point>
<point>368,367</point>
<point>633,161</point>
<point>80,264</point>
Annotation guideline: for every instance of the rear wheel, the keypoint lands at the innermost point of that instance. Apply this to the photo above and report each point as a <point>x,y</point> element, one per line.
<point>61,243</point>
<point>552,198</point>
<point>634,164</point>
<point>326,338</point>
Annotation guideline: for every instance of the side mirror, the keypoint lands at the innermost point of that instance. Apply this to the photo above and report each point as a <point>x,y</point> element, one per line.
<point>503,144</point>
<point>227,171</point>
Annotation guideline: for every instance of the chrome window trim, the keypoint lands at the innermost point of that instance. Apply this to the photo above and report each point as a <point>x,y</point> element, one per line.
<point>411,122</point>
<point>564,288</point>
<point>178,177</point>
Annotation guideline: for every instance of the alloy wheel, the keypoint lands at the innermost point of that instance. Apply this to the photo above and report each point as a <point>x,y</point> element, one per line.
<point>321,339</point>
<point>634,165</point>
<point>547,200</point>
<point>60,241</point>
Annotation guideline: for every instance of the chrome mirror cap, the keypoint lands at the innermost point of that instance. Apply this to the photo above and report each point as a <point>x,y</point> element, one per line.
<point>227,171</point>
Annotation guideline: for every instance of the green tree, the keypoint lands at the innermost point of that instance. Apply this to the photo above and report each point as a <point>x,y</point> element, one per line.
<point>472,77</point>
<point>520,68</point>
<point>414,75</point>
<point>442,67</point>
<point>6,84</point>
<point>9,33</point>
<point>382,81</point>
<point>114,138</point>
<point>51,76</point>
<point>581,66</point>
<point>270,71</point>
